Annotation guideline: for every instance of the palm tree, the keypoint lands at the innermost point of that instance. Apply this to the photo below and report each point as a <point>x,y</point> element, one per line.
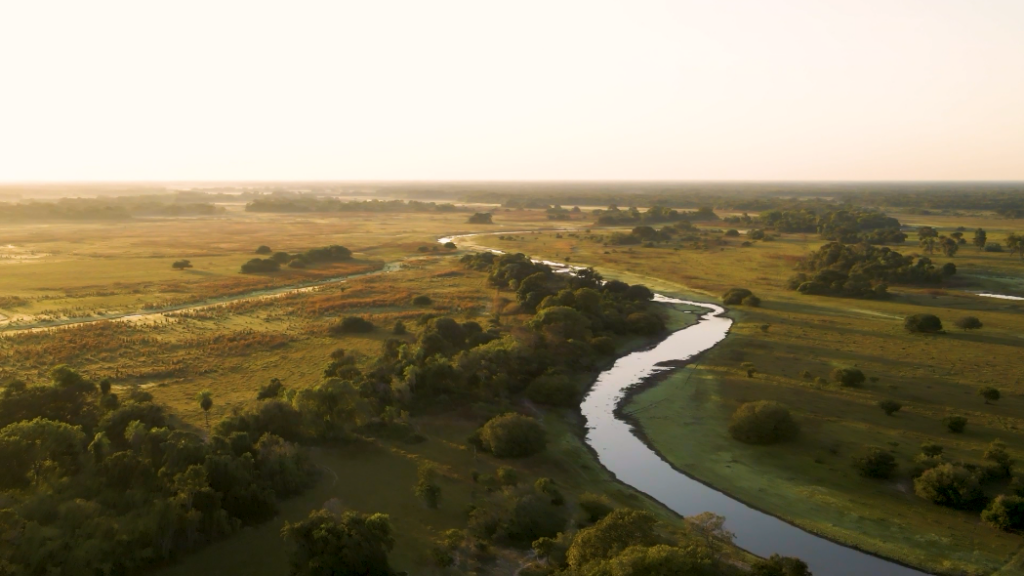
<point>205,399</point>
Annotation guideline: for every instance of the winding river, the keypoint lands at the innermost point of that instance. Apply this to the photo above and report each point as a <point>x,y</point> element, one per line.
<point>634,463</point>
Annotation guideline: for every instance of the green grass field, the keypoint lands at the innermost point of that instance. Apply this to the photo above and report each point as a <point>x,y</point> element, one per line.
<point>812,482</point>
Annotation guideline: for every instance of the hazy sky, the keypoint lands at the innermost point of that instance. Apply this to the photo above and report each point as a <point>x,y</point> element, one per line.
<point>481,89</point>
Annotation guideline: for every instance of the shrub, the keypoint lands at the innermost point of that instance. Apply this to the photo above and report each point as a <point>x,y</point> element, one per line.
<point>264,250</point>
<point>512,435</point>
<point>926,323</point>
<point>763,422</point>
<point>736,295</point>
<point>553,390</point>
<point>948,485</point>
<point>752,301</point>
<point>875,462</point>
<point>1005,513</point>
<point>603,345</point>
<point>181,264</point>
<point>399,328</point>
<point>352,325</point>
<point>989,393</point>
<point>644,323</point>
<point>422,300</point>
<point>450,245</point>
<point>806,374</point>
<point>732,233</point>
<point>993,247</point>
<point>594,507</point>
<point>890,407</point>
<point>850,377</point>
<point>931,449</point>
<point>259,265</point>
<point>968,323</point>
<point>956,424</point>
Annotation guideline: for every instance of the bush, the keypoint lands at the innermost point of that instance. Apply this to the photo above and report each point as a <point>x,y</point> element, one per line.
<point>181,264</point>
<point>732,233</point>
<point>512,435</point>
<point>989,393</point>
<point>736,295</point>
<point>752,301</point>
<point>850,377</point>
<point>890,407</point>
<point>644,323</point>
<point>926,323</point>
<point>993,247</point>
<point>956,424</point>
<point>422,300</point>
<point>594,507</point>
<point>553,390</point>
<point>968,323</point>
<point>399,328</point>
<point>352,325</point>
<point>948,485</point>
<point>259,265</point>
<point>763,422</point>
<point>603,345</point>
<point>874,462</point>
<point>1005,513</point>
<point>264,250</point>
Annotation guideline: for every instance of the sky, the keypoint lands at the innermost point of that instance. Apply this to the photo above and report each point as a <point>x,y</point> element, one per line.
<point>500,90</point>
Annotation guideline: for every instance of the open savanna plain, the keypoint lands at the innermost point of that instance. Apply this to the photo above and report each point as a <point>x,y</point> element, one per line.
<point>793,342</point>
<point>129,318</point>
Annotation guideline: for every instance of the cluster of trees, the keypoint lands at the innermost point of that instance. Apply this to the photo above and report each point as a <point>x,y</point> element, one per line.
<point>481,218</point>
<point>734,296</point>
<point>121,208</point>
<point>297,203</point>
<point>862,271</point>
<point>96,482</point>
<point>556,212</point>
<point>613,216</point>
<point>847,225</point>
<point>322,255</point>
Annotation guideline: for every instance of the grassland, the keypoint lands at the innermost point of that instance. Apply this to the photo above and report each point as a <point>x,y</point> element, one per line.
<point>235,347</point>
<point>812,482</point>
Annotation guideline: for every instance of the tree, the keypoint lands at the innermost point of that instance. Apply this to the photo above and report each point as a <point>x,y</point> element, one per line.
<point>711,527</point>
<point>931,449</point>
<point>399,328</point>
<point>352,325</point>
<point>948,485</point>
<point>351,544</point>
<point>849,377</point>
<point>611,535</point>
<point>776,565</point>
<point>1005,513</point>
<point>264,250</point>
<point>875,462</point>
<point>924,323</point>
<point>968,323</point>
<point>980,238</point>
<point>205,399</point>
<point>996,452</point>
<point>35,446</point>
<point>989,393</point>
<point>481,218</point>
<point>956,424</point>
<point>513,435</point>
<point>181,264</point>
<point>259,265</point>
<point>948,245</point>
<point>890,407</point>
<point>426,487</point>
<point>1015,242</point>
<point>736,295</point>
<point>762,422</point>
<point>422,300</point>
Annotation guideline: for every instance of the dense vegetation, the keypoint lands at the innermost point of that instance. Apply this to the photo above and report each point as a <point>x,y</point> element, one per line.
<point>96,483</point>
<point>303,203</point>
<point>862,271</point>
<point>122,208</point>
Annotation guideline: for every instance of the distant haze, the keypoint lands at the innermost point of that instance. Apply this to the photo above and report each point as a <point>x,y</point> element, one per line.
<point>488,90</point>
